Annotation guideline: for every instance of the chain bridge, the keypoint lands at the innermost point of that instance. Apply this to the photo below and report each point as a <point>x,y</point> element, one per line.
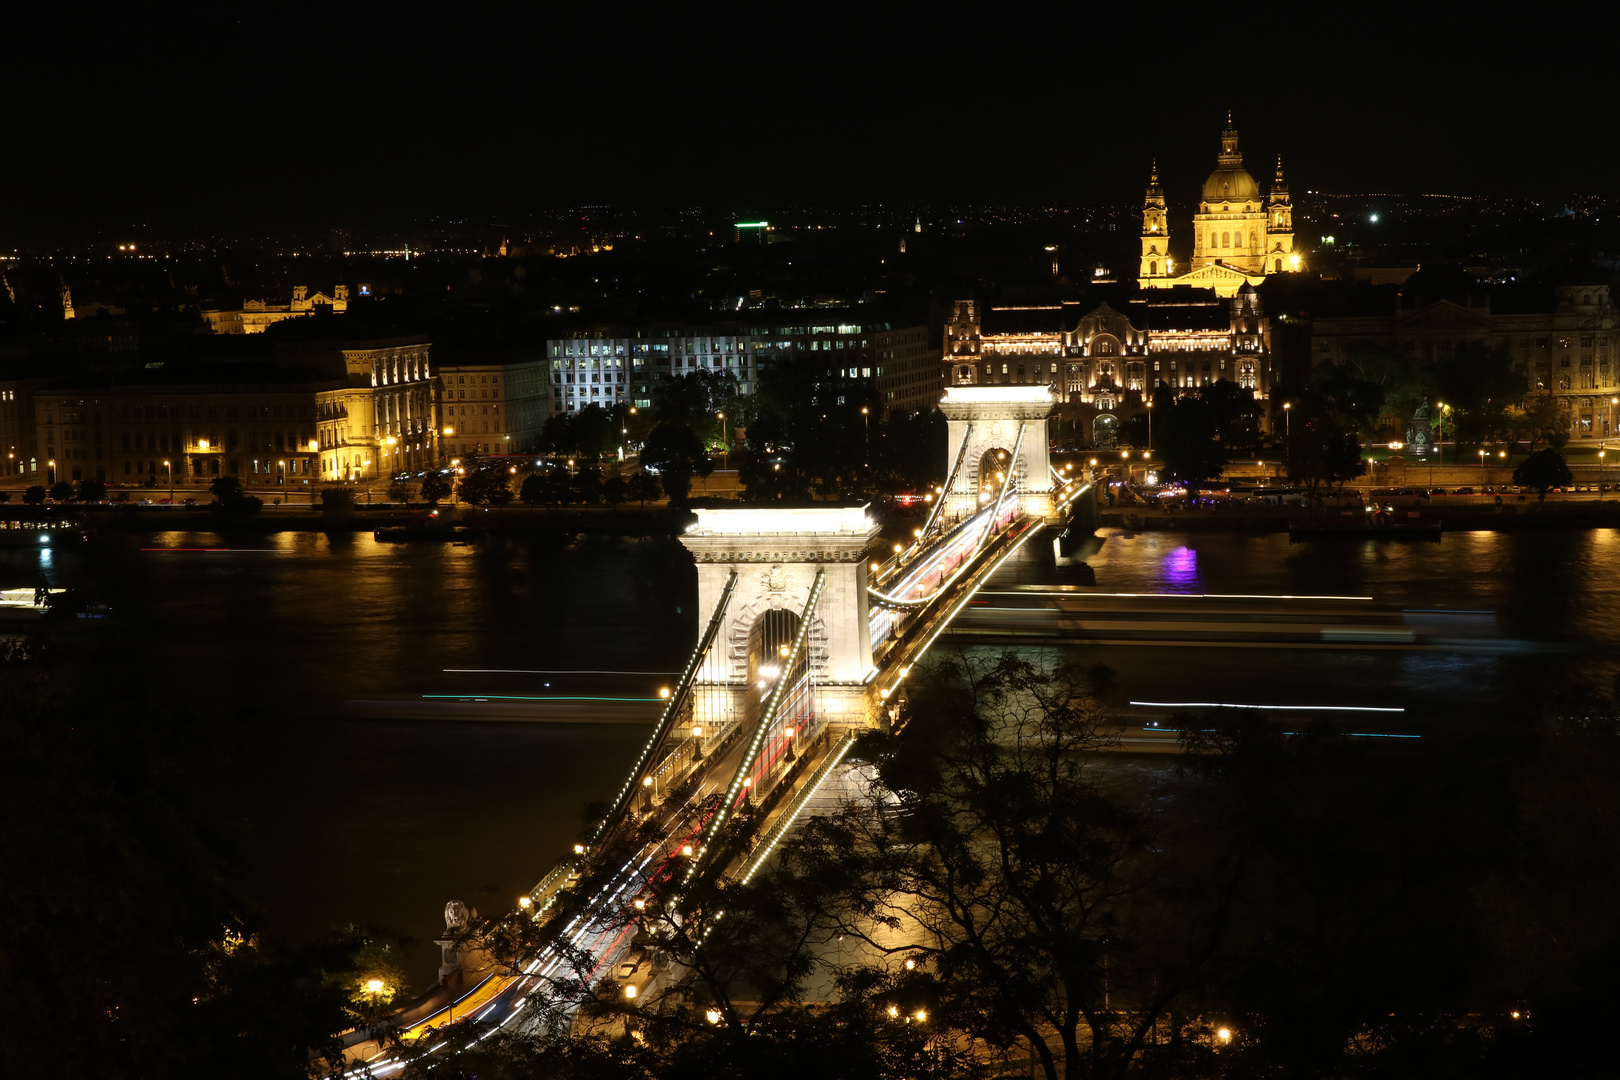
<point>806,635</point>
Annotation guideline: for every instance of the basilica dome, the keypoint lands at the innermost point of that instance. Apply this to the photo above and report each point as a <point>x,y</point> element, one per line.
<point>1230,183</point>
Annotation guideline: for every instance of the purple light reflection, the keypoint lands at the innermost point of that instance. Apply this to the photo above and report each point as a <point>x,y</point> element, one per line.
<point>1179,571</point>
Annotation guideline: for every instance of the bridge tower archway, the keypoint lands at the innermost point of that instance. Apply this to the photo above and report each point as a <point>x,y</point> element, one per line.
<point>989,470</point>
<point>984,420</point>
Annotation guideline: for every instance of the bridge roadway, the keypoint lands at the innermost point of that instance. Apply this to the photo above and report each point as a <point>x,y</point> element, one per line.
<point>675,795</point>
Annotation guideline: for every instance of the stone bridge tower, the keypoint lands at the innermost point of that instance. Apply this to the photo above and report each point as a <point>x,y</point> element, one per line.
<point>984,423</point>
<point>777,552</point>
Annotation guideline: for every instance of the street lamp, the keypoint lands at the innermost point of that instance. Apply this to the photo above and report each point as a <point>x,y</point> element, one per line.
<point>170,469</point>
<point>866,435</point>
<point>1288,431</point>
<point>725,443</point>
<point>1482,466</point>
<point>1150,424</point>
<point>1440,424</point>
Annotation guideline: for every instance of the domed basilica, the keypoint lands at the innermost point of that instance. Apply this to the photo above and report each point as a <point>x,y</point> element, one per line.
<point>1236,239</point>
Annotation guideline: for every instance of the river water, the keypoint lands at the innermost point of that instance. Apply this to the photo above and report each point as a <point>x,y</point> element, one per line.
<point>379,815</point>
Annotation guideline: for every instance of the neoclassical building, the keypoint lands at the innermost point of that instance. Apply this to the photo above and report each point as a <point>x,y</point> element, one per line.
<point>1100,356</point>
<point>1238,236</point>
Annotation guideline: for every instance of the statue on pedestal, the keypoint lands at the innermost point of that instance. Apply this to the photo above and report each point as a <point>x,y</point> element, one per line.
<point>1418,436</point>
<point>456,920</point>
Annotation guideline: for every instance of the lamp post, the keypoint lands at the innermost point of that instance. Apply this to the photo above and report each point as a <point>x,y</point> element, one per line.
<point>866,436</point>
<point>1482,466</point>
<point>725,443</point>
<point>1288,433</point>
<point>1440,425</point>
<point>1150,424</point>
<point>170,470</point>
<point>52,469</point>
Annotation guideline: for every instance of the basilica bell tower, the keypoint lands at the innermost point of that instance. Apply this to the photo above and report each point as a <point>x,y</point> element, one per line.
<point>1280,256</point>
<point>1155,268</point>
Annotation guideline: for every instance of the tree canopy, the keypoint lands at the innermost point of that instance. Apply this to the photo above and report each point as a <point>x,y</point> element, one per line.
<point>1543,470</point>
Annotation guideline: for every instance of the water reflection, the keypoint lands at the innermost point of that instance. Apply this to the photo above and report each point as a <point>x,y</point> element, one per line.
<point>1180,570</point>
<point>341,818</point>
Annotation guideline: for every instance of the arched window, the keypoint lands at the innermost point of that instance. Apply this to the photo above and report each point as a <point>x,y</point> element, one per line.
<point>1279,266</point>
<point>1226,239</point>
<point>1254,239</point>
<point>1237,239</point>
<point>1153,268</point>
<point>1214,238</point>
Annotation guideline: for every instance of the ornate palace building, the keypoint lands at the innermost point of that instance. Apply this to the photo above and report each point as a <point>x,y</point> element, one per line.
<point>1237,241</point>
<point>1099,357</point>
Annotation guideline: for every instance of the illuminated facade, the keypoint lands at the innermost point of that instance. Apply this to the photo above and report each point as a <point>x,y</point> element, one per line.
<point>492,408</point>
<point>1239,237</point>
<point>611,364</point>
<point>164,427</point>
<point>1102,357</point>
<point>380,416</point>
<point>257,316</point>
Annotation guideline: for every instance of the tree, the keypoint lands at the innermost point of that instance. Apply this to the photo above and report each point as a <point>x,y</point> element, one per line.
<point>1234,413</point>
<point>61,491</point>
<point>92,490</point>
<point>675,452</point>
<point>1543,470</point>
<point>1481,384</point>
<point>35,495</point>
<point>487,483</point>
<point>1400,380</point>
<point>399,491</point>
<point>1543,419</point>
<point>534,489</point>
<point>1320,451</point>
<point>1356,940</point>
<point>615,491</point>
<point>229,497</point>
<point>644,486</point>
<point>436,486</point>
<point>123,954</point>
<point>1187,439</point>
<point>587,486</point>
<point>1039,895</point>
<point>695,400</point>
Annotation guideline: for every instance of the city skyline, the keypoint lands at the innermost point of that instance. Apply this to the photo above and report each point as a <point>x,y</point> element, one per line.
<point>253,120</point>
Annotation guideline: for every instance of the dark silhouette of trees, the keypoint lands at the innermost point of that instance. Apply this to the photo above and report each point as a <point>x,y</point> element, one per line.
<point>676,453</point>
<point>643,486</point>
<point>436,486</point>
<point>123,953</point>
<point>229,498</point>
<point>1480,383</point>
<point>487,483</point>
<point>1543,470</point>
<point>1186,438</point>
<point>1542,421</point>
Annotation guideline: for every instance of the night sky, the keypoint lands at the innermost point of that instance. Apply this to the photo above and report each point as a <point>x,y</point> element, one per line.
<point>288,115</point>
